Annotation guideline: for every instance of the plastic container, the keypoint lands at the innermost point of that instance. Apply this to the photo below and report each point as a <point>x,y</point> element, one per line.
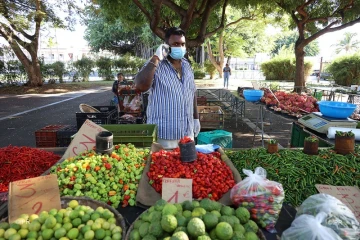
<point>107,115</point>
<point>47,136</point>
<point>253,95</point>
<point>187,152</point>
<point>104,142</point>
<point>218,137</point>
<point>141,135</point>
<point>64,135</point>
<point>336,109</point>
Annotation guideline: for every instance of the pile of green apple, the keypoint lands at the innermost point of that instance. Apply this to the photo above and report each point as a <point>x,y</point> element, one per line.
<point>74,222</point>
<point>112,179</point>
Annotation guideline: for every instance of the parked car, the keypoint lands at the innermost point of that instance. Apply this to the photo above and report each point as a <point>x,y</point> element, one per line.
<point>325,76</point>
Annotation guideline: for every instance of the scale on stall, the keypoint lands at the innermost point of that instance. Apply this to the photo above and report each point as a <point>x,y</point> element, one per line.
<point>317,122</point>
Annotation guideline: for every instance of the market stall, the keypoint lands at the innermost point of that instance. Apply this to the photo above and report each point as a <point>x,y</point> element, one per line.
<point>230,197</point>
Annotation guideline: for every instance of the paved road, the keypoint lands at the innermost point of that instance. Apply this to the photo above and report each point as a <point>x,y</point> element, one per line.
<point>22,115</point>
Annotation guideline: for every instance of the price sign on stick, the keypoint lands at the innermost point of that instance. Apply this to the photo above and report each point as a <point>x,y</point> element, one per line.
<point>85,139</point>
<point>348,195</point>
<point>176,190</point>
<point>33,195</point>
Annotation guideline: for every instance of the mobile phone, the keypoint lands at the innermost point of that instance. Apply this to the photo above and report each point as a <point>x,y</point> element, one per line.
<point>166,49</point>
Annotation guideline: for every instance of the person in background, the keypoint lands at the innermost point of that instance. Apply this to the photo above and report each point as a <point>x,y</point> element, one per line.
<point>169,79</point>
<point>227,73</point>
<point>115,87</point>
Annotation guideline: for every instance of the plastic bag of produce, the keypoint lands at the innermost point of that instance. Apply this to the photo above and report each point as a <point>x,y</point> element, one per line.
<point>338,216</point>
<point>308,227</point>
<point>263,198</point>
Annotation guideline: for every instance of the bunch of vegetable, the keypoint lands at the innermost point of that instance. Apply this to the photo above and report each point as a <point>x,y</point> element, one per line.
<point>17,163</point>
<point>337,215</point>
<point>112,179</point>
<point>344,134</point>
<point>263,198</point>
<point>211,176</point>
<point>74,222</point>
<point>311,139</point>
<point>290,102</point>
<point>299,172</point>
<point>204,220</point>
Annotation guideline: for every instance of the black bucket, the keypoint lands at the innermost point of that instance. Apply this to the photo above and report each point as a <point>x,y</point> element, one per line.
<point>104,142</point>
<point>187,152</point>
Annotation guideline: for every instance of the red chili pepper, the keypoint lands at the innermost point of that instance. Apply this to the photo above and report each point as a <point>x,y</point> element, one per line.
<point>17,163</point>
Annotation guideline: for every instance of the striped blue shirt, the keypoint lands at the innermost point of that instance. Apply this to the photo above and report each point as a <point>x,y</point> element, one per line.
<point>171,101</point>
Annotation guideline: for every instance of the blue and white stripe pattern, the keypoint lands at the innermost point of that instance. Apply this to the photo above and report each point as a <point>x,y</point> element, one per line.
<point>171,101</point>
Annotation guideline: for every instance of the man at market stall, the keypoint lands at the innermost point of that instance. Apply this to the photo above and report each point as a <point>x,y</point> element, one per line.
<point>169,78</point>
<point>120,79</point>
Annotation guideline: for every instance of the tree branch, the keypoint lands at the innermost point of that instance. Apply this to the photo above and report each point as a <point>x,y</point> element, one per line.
<point>156,15</point>
<point>175,7</point>
<point>13,26</point>
<point>187,19</point>
<point>142,8</point>
<point>10,36</point>
<point>240,19</point>
<point>17,50</point>
<point>202,6</point>
<point>202,32</point>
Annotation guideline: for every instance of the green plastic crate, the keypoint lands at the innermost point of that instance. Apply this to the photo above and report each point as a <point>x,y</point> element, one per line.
<point>298,136</point>
<point>218,137</point>
<point>141,135</point>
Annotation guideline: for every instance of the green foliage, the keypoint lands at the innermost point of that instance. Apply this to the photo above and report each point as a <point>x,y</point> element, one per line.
<point>344,134</point>
<point>345,70</point>
<point>311,139</point>
<point>11,72</point>
<point>59,70</point>
<point>105,65</point>
<point>348,44</point>
<point>210,68</point>
<point>282,68</point>
<point>128,64</point>
<point>199,74</point>
<point>84,67</point>
<point>286,41</point>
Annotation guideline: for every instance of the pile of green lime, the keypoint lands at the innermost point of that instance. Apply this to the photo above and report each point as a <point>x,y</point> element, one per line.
<point>74,222</point>
<point>204,220</point>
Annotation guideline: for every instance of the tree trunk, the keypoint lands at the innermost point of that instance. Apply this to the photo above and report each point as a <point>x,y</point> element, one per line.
<point>34,74</point>
<point>228,60</point>
<point>300,68</point>
<point>213,60</point>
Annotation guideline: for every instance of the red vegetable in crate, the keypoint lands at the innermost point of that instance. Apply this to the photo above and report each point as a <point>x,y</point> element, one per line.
<point>185,139</point>
<point>263,198</point>
<point>17,163</point>
<point>211,176</point>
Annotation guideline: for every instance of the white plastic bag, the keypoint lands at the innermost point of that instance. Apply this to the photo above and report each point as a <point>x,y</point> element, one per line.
<point>263,198</point>
<point>338,216</point>
<point>135,104</point>
<point>308,227</point>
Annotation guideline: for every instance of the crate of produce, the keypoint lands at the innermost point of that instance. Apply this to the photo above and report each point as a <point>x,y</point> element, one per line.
<point>218,137</point>
<point>64,135</point>
<point>211,117</point>
<point>107,115</point>
<point>46,136</point>
<point>141,135</point>
<point>201,101</point>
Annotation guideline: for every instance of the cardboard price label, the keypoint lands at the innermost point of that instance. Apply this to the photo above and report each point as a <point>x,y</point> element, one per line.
<point>85,139</point>
<point>33,195</point>
<point>176,190</point>
<point>350,196</point>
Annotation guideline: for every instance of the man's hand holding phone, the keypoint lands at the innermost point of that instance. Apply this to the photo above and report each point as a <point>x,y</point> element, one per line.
<point>162,51</point>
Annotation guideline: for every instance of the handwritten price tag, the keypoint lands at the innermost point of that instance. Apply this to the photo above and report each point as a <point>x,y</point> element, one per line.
<point>33,195</point>
<point>176,190</point>
<point>85,139</point>
<point>350,196</point>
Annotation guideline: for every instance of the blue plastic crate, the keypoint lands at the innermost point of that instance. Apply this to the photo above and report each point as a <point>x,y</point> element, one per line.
<point>219,137</point>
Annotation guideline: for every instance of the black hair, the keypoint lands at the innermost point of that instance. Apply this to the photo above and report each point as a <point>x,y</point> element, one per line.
<point>173,31</point>
<point>120,74</point>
